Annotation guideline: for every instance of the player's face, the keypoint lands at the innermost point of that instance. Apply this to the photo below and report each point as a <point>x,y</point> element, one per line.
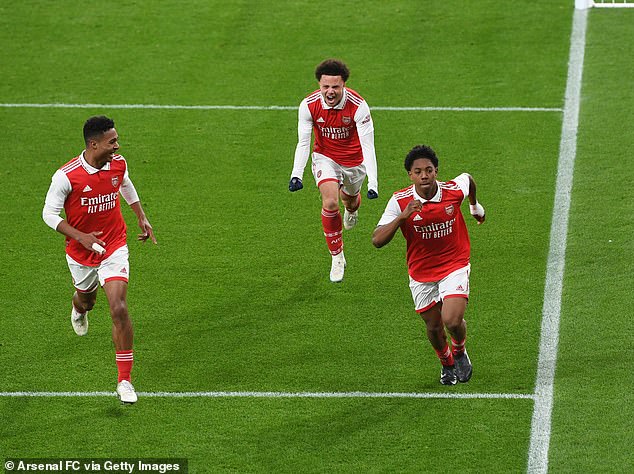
<point>106,146</point>
<point>423,174</point>
<point>331,88</point>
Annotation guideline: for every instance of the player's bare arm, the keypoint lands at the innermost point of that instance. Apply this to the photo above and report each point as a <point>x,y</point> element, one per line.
<point>383,234</point>
<point>476,209</point>
<point>147,232</point>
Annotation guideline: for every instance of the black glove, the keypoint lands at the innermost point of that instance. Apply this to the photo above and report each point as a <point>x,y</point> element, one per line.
<point>295,185</point>
<point>372,194</point>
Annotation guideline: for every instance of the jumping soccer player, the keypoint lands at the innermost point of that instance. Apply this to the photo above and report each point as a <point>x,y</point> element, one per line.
<point>87,189</point>
<point>343,154</point>
<point>438,252</point>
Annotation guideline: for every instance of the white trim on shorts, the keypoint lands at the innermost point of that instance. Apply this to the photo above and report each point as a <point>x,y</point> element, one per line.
<point>350,179</point>
<point>427,294</point>
<point>115,267</point>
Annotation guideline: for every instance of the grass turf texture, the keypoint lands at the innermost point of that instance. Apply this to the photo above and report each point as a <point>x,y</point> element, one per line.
<point>236,296</point>
<point>593,398</point>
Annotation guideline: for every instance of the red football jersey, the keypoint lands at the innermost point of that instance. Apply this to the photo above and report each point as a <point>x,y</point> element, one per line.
<point>335,128</point>
<point>93,205</point>
<point>437,236</point>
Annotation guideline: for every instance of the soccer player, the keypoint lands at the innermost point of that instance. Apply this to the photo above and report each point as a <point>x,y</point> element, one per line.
<point>343,154</point>
<point>87,189</point>
<point>438,251</point>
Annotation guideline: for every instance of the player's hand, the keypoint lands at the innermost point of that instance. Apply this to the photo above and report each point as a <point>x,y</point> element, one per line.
<point>372,194</point>
<point>295,185</point>
<point>413,206</point>
<point>91,242</point>
<point>146,231</point>
<point>477,211</point>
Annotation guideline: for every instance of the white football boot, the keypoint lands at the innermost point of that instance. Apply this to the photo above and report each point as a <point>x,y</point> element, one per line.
<point>337,268</point>
<point>126,392</point>
<point>350,219</point>
<point>79,322</point>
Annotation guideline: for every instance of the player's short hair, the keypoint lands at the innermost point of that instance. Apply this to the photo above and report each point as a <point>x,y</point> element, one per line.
<point>332,67</point>
<point>96,126</point>
<point>420,151</point>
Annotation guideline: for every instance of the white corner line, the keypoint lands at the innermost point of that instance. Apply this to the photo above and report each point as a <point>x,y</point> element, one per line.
<point>549,339</point>
<point>56,105</point>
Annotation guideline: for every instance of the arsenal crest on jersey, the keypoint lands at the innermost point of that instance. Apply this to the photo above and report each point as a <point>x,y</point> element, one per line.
<point>115,181</point>
<point>449,209</point>
<point>346,120</point>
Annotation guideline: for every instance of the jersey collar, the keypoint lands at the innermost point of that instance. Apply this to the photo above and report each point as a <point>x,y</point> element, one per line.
<point>437,197</point>
<point>340,105</point>
<point>89,168</point>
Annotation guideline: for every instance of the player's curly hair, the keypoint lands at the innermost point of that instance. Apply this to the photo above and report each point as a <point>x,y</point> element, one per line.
<point>332,67</point>
<point>420,151</point>
<point>96,126</point>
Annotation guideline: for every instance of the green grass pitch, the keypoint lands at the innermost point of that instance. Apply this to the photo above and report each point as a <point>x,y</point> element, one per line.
<point>236,295</point>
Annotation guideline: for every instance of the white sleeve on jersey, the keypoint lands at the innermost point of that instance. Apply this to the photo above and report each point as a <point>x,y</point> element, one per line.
<point>462,181</point>
<point>365,129</point>
<point>127,190</point>
<point>304,131</point>
<point>55,198</point>
<point>392,211</point>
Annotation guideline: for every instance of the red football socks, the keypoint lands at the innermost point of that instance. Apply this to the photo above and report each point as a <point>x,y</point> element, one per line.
<point>125,359</point>
<point>445,356</point>
<point>331,222</point>
<point>457,347</point>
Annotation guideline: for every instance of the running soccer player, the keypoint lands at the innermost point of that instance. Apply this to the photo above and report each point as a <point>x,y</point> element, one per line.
<point>438,252</point>
<point>343,153</point>
<point>87,189</point>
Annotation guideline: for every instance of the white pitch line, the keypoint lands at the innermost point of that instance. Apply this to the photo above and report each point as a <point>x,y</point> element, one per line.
<point>551,311</point>
<point>429,395</point>
<point>270,107</point>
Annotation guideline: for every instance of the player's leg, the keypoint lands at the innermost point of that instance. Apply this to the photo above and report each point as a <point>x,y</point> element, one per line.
<point>453,317</point>
<point>113,275</point>
<point>329,190</point>
<point>86,282</point>
<point>122,333</point>
<point>328,176</point>
<point>332,225</point>
<point>84,301</point>
<point>454,290</point>
<point>436,332</point>
<point>122,336</point>
<point>331,217</point>
<point>350,194</point>
<point>428,304</point>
